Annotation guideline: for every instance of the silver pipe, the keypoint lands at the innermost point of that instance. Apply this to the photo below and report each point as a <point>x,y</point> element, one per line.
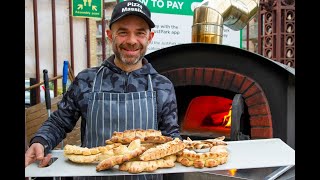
<point>210,16</point>
<point>242,11</point>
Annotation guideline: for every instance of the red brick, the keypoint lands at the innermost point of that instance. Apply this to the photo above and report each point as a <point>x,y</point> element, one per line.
<point>189,75</point>
<point>217,77</point>
<point>236,83</point>
<point>180,76</point>
<point>257,133</point>
<point>252,90</point>
<point>262,109</point>
<point>247,83</point>
<point>259,98</point>
<point>208,75</point>
<point>227,80</point>
<point>198,76</point>
<point>265,120</point>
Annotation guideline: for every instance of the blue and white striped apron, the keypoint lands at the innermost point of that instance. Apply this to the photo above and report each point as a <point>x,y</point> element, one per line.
<point>109,112</point>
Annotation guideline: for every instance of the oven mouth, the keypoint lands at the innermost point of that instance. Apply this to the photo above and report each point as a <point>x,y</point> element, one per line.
<point>206,112</point>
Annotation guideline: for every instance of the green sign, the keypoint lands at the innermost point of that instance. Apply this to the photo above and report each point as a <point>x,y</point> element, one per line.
<point>87,8</point>
<point>180,7</point>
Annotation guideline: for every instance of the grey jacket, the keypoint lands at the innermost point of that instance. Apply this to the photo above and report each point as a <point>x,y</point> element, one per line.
<point>75,101</point>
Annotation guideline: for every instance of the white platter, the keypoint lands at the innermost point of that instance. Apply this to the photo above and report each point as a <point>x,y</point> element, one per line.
<point>245,154</point>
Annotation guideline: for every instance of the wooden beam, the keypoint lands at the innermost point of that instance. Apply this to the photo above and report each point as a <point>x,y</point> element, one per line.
<point>42,82</point>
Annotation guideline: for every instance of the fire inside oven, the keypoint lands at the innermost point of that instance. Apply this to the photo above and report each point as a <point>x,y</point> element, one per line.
<point>207,112</point>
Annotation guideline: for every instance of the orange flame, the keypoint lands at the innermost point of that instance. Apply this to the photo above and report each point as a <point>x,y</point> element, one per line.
<point>227,119</point>
<point>232,172</point>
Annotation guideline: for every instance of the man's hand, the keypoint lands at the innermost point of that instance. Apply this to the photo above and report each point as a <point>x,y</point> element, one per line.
<point>36,152</point>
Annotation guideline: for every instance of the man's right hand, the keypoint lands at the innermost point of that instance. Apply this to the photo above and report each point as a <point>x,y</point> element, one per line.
<point>36,153</point>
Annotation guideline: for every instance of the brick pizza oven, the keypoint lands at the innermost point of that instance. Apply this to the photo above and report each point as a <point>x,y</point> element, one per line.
<point>212,79</point>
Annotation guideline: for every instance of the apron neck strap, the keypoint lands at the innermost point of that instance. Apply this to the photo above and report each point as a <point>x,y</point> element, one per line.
<point>150,87</point>
<point>98,82</point>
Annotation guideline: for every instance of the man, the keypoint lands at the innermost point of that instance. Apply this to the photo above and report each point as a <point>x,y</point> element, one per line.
<point>125,92</point>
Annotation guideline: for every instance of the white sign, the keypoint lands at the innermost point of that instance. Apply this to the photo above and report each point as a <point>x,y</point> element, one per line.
<point>174,30</point>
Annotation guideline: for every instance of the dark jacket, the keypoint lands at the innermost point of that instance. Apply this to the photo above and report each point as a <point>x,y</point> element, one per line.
<point>75,101</point>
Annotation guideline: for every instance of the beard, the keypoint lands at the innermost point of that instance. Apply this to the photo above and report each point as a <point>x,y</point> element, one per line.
<point>129,59</point>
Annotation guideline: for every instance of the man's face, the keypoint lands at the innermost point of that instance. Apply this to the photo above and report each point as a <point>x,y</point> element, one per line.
<point>130,37</point>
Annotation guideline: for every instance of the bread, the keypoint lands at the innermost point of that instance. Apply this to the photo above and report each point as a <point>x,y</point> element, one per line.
<point>202,144</point>
<point>81,155</point>
<point>73,149</point>
<point>148,166</point>
<point>138,150</point>
<point>217,141</point>
<point>83,159</point>
<point>128,136</point>
<point>108,147</point>
<point>156,139</point>
<point>121,154</point>
<point>217,155</point>
<point>163,150</point>
<point>148,145</point>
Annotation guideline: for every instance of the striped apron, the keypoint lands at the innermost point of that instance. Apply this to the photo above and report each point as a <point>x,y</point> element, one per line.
<point>109,112</point>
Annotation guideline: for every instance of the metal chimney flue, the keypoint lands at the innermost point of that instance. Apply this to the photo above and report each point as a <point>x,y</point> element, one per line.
<point>210,16</point>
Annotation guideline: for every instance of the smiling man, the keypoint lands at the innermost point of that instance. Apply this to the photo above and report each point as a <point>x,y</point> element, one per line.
<point>125,92</point>
<point>130,34</point>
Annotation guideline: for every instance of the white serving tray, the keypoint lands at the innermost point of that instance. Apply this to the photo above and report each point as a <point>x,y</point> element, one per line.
<point>244,154</point>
